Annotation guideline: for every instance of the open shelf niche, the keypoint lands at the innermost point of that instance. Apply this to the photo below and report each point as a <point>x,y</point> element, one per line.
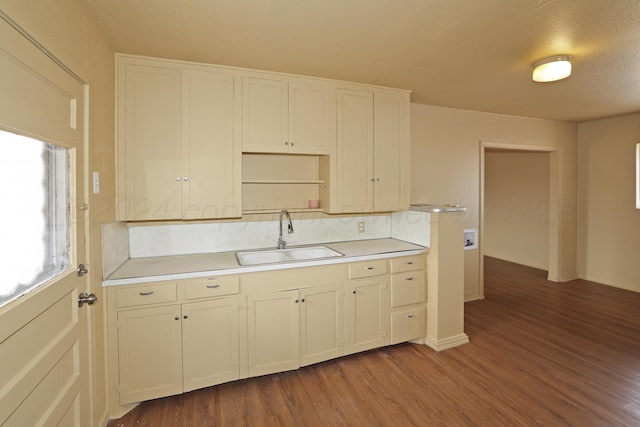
<point>272,182</point>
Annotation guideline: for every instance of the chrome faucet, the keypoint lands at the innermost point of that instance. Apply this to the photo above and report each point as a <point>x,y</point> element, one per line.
<point>281,241</point>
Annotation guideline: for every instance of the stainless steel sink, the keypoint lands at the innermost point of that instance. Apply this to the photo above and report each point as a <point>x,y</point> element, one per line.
<point>285,255</point>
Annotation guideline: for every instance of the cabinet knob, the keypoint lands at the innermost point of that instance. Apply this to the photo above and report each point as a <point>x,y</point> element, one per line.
<point>186,178</point>
<point>185,316</point>
<point>177,317</point>
<point>177,178</point>
<point>377,179</point>
<point>302,300</point>
<point>286,143</point>
<point>368,268</point>
<point>354,291</point>
<point>296,301</point>
<point>409,316</point>
<point>408,278</point>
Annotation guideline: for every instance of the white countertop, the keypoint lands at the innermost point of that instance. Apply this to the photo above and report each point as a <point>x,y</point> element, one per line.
<point>139,270</point>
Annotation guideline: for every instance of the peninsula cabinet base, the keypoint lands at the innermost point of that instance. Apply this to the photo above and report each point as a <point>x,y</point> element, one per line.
<point>171,337</point>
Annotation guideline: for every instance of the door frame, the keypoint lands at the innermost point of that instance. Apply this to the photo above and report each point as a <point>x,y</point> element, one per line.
<point>554,204</point>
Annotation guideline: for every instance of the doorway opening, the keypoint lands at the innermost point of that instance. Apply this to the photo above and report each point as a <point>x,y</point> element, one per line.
<point>527,221</point>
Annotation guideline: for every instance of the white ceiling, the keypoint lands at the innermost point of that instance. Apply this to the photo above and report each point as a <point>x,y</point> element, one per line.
<point>469,54</point>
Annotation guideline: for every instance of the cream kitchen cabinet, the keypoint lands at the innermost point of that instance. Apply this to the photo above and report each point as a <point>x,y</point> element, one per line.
<point>371,162</point>
<point>283,116</point>
<point>273,332</point>
<point>367,294</point>
<point>169,338</point>
<point>289,329</point>
<point>408,302</point>
<point>143,336</point>
<point>321,324</point>
<point>178,148</point>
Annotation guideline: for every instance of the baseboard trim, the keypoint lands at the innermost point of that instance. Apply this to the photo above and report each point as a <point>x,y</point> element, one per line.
<point>446,343</point>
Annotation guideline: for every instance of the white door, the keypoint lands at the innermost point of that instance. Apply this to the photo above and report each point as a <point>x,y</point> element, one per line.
<point>43,349</point>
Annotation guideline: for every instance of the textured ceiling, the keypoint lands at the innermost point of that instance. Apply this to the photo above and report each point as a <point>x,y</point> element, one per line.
<point>469,54</point>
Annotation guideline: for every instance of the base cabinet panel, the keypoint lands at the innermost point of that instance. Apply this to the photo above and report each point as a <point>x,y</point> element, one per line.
<point>321,320</point>
<point>368,314</point>
<point>210,342</point>
<point>273,330</point>
<point>149,353</point>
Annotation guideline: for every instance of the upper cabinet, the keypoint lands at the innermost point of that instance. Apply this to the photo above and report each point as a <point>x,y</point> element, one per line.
<point>370,171</point>
<point>178,142</point>
<point>197,141</point>
<point>281,116</point>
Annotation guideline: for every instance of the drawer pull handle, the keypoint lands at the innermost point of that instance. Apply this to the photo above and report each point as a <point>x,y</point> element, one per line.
<point>144,294</point>
<point>408,278</point>
<point>368,268</point>
<point>409,262</point>
<point>212,286</point>
<point>409,316</point>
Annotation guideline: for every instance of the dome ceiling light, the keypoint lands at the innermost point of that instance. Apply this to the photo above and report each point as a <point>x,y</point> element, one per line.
<point>553,68</point>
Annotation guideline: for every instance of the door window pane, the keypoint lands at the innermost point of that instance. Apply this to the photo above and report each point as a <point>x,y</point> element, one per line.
<point>34,215</point>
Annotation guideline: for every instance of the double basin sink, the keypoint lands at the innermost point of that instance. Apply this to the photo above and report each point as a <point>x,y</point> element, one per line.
<point>285,255</point>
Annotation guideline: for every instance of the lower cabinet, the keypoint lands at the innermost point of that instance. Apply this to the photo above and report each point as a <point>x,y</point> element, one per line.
<point>289,329</point>
<point>273,332</point>
<point>367,310</point>
<point>149,353</point>
<point>167,338</point>
<point>173,349</point>
<point>210,343</point>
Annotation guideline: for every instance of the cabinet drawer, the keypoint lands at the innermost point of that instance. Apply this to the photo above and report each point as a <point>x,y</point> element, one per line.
<point>408,288</point>
<point>408,325</point>
<point>367,268</point>
<point>150,294</point>
<point>212,287</point>
<point>409,263</point>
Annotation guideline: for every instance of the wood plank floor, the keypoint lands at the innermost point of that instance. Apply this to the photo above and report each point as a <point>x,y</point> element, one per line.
<point>541,353</point>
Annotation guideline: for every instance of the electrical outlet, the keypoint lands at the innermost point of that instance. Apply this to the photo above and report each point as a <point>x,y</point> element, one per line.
<point>360,226</point>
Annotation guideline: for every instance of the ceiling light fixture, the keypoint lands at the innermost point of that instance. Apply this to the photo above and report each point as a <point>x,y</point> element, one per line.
<point>553,68</point>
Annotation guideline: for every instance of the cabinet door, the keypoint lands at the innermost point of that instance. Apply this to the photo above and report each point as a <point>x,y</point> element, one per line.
<point>265,115</point>
<point>149,353</point>
<point>321,323</point>
<point>367,314</point>
<point>211,349</point>
<point>273,329</point>
<point>354,151</point>
<point>389,151</point>
<point>211,156</point>
<point>312,112</point>
<point>149,143</point>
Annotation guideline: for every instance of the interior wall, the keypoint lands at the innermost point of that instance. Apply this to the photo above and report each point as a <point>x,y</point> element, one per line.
<point>68,31</point>
<point>516,200</point>
<point>445,168</point>
<point>609,223</point>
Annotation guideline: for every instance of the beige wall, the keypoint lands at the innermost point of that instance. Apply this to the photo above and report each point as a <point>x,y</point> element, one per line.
<point>609,223</point>
<point>66,29</point>
<point>445,168</point>
<point>516,209</point>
